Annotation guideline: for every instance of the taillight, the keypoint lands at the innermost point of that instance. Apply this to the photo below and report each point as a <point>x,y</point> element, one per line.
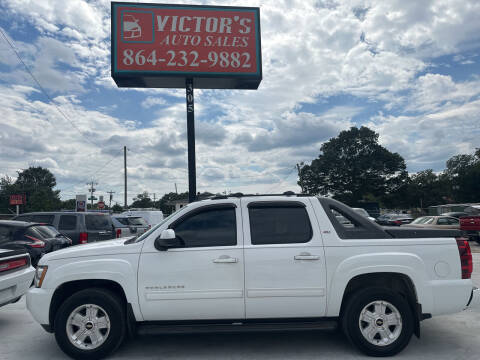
<point>466,261</point>
<point>37,243</point>
<point>13,264</point>
<point>119,233</point>
<point>398,222</point>
<point>83,238</point>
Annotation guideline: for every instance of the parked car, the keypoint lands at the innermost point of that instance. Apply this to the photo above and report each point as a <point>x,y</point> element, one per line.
<point>262,262</point>
<point>150,215</point>
<point>36,239</point>
<point>470,224</point>
<point>363,212</point>
<point>455,214</point>
<point>81,227</point>
<point>16,275</point>
<point>441,222</point>
<point>394,219</point>
<point>129,225</point>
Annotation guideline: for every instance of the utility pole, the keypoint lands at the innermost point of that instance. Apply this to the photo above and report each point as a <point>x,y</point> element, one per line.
<point>111,197</point>
<point>125,172</point>
<point>176,191</point>
<point>92,190</point>
<point>154,198</point>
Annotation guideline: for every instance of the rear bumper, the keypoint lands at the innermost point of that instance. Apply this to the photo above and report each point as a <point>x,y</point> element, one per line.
<point>474,301</point>
<point>14,285</point>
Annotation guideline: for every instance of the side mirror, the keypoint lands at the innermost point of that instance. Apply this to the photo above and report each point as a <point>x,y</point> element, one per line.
<point>166,240</point>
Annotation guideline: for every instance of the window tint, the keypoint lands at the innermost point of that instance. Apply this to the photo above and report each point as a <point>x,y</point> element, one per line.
<point>210,227</point>
<point>46,219</point>
<point>454,221</point>
<point>98,222</point>
<point>5,233</point>
<point>67,222</point>
<point>279,225</point>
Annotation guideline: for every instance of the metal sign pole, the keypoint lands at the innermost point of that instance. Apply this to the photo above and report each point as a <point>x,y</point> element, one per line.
<point>192,178</point>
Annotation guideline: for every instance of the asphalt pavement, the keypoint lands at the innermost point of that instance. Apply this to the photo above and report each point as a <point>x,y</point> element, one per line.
<point>445,337</point>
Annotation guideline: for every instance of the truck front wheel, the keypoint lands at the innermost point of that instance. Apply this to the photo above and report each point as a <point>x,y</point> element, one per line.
<point>378,321</point>
<point>90,324</point>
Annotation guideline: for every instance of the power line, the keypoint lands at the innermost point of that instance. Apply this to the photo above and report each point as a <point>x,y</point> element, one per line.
<point>97,172</point>
<point>43,89</point>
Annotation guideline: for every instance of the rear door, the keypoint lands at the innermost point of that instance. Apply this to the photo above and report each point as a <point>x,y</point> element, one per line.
<point>285,274</point>
<point>99,227</point>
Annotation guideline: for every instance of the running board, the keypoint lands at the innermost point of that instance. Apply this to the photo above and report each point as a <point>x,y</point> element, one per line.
<point>152,328</point>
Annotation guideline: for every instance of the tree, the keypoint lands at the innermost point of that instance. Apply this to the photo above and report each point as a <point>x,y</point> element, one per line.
<point>117,208</point>
<point>142,201</point>
<point>37,184</point>
<point>354,166</point>
<point>463,176</point>
<point>163,202</point>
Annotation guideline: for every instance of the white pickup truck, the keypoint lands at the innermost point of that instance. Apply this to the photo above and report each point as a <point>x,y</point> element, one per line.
<point>255,262</point>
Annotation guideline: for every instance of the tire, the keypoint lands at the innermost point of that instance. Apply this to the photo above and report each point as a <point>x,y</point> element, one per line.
<point>101,315</point>
<point>366,318</point>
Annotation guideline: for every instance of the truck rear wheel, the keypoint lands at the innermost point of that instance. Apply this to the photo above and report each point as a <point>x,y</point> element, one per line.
<point>379,322</point>
<point>90,324</point>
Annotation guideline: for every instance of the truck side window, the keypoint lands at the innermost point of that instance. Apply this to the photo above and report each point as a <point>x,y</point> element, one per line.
<point>279,225</point>
<point>67,222</point>
<point>210,227</point>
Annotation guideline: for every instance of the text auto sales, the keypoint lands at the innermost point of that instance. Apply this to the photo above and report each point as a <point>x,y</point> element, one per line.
<point>203,32</point>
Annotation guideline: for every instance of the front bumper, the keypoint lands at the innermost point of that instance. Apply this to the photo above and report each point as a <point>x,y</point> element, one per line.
<point>38,303</point>
<point>474,301</point>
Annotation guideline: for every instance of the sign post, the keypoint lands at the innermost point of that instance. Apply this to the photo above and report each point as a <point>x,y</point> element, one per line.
<point>192,182</point>
<point>176,46</point>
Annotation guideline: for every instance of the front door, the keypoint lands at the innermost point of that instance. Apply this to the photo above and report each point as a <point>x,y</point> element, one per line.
<point>285,274</point>
<point>202,280</point>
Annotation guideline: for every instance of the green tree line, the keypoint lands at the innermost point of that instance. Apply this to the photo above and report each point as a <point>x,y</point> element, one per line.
<point>354,167</point>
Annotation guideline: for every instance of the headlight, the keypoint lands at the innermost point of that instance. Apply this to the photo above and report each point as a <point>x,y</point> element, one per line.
<point>40,275</point>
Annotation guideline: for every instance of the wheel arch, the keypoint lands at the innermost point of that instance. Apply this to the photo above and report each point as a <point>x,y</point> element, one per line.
<point>67,289</point>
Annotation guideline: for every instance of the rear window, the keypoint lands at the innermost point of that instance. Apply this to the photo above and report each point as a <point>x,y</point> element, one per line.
<point>132,221</point>
<point>43,232</point>
<point>98,222</point>
<point>137,221</point>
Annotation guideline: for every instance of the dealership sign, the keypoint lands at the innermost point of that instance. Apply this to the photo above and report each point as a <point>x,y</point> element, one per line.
<point>160,45</point>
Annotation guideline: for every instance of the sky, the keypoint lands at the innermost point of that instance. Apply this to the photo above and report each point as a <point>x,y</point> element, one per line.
<point>407,69</point>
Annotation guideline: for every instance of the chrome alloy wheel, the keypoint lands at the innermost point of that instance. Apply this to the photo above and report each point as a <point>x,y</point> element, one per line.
<point>380,323</point>
<point>88,327</point>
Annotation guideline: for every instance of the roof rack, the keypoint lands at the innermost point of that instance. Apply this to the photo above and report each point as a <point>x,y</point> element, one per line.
<point>239,195</point>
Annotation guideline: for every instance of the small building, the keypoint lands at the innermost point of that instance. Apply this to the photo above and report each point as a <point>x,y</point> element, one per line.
<point>179,203</point>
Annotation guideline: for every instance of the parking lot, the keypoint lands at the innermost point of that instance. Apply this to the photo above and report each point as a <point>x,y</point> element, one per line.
<point>446,337</point>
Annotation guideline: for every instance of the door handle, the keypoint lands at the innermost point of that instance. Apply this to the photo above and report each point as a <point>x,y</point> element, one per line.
<point>225,259</point>
<point>306,256</point>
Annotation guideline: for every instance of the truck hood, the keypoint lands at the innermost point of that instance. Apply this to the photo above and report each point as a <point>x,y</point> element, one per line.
<point>108,247</point>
